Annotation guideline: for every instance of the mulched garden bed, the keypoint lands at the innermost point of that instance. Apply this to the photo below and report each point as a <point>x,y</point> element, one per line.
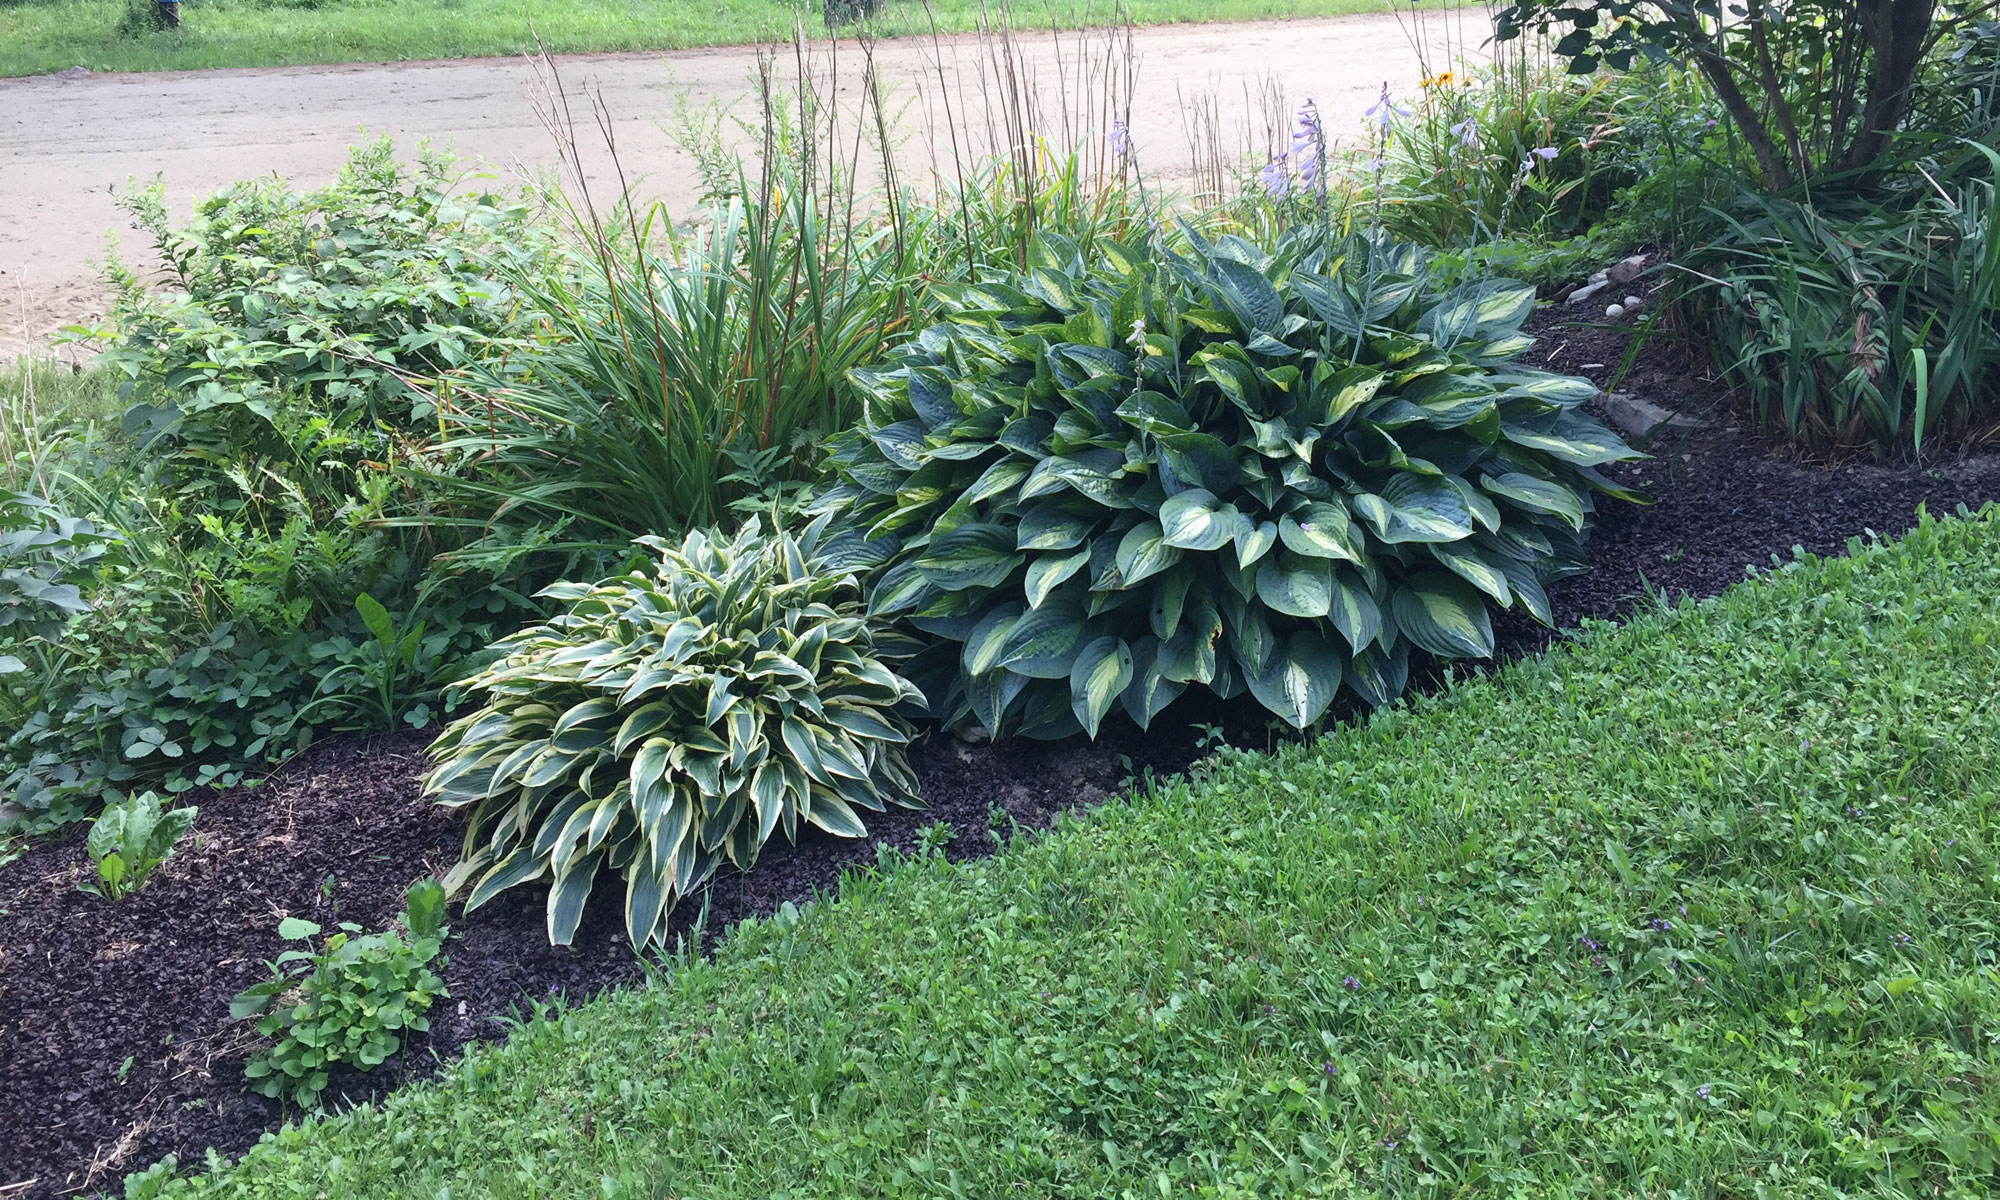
<point>116,1047</point>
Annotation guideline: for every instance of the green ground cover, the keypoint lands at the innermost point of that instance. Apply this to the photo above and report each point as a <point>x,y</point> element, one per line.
<point>1703,905</point>
<point>50,35</point>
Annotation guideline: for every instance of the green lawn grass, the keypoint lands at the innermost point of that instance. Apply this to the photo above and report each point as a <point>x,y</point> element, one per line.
<point>1705,905</point>
<point>50,35</point>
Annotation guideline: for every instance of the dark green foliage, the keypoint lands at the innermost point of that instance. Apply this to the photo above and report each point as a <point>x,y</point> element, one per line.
<point>47,558</point>
<point>128,840</point>
<point>1858,324</point>
<point>1315,467</point>
<point>672,719</point>
<point>348,1002</point>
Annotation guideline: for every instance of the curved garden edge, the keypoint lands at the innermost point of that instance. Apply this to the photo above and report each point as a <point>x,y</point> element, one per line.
<point>160,997</point>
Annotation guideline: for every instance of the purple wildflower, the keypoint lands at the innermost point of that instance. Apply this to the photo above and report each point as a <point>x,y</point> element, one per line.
<point>1467,132</point>
<point>1351,983</point>
<point>1702,1091</point>
<point>1661,924</point>
<point>1545,153</point>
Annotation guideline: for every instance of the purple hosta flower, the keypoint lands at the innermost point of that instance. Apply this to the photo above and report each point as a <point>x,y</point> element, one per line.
<point>1545,153</point>
<point>1307,139</point>
<point>1276,176</point>
<point>1120,139</point>
<point>1702,1091</point>
<point>1467,132</point>
<point>1138,336</point>
<point>1351,984</point>
<point>1384,111</point>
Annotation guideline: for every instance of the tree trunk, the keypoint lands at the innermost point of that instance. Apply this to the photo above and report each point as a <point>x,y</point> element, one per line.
<point>1898,31</point>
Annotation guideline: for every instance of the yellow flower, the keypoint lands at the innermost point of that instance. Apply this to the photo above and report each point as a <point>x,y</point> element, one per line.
<point>1442,79</point>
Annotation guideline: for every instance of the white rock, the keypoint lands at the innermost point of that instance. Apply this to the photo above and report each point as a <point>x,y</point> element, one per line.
<point>1632,302</point>
<point>1615,311</point>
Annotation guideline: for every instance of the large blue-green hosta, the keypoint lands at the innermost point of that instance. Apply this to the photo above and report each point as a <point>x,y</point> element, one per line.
<point>1099,483</point>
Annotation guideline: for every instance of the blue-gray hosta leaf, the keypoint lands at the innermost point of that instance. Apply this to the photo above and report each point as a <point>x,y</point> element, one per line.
<point>1050,571</point>
<point>1044,638</point>
<point>1321,529</point>
<point>1102,671</point>
<point>1415,508</point>
<point>1569,437</point>
<point>1295,584</point>
<point>1537,495</point>
<point>1443,614</point>
<point>1300,681</point>
<point>971,556</point>
<point>1143,553</point>
<point>1197,520</point>
<point>1468,564</point>
<point>1353,610</point>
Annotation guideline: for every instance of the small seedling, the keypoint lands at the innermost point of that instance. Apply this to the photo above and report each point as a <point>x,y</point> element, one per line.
<point>128,840</point>
<point>347,1002</point>
<point>934,839</point>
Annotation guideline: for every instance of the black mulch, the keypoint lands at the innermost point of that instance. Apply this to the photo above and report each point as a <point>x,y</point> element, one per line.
<point>87,987</point>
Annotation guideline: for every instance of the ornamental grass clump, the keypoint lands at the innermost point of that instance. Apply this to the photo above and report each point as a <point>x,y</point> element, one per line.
<point>1103,481</point>
<point>673,718</point>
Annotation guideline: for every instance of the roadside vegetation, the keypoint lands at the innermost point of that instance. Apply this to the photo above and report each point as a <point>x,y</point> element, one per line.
<point>677,535</point>
<point>38,36</point>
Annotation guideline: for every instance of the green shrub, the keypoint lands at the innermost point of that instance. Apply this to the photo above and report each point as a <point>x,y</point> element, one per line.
<point>47,558</point>
<point>128,840</point>
<point>1102,482</point>
<point>349,1002</point>
<point>670,720</point>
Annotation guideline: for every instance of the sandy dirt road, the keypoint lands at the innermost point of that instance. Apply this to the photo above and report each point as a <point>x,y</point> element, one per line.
<point>64,142</point>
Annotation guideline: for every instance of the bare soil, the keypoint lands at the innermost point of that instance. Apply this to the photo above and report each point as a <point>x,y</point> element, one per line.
<point>67,139</point>
<point>87,986</point>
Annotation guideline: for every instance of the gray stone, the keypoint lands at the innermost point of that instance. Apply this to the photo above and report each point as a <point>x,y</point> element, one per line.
<point>1634,417</point>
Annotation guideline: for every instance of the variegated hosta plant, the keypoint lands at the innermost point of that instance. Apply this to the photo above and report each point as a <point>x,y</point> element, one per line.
<point>1101,483</point>
<point>670,719</point>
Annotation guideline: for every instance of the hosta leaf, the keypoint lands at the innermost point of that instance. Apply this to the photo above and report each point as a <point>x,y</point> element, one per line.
<point>1245,292</point>
<point>1044,638</point>
<point>1487,309</point>
<point>1254,542</point>
<point>1196,520</point>
<point>999,479</point>
<point>1353,610</point>
<point>1149,692</point>
<point>1169,597</point>
<point>831,813</point>
<point>1415,508</point>
<point>567,896</point>
<point>1467,563</point>
<point>1442,613</point>
<point>902,443</point>
<point>1049,571</point>
<point>1321,530</point>
<point>1143,552</point>
<point>992,695</point>
<point>1569,437</point>
<point>1377,675</point>
<point>1097,474</point>
<point>1052,527</point>
<point>1198,460</point>
<point>985,646</point>
<point>1103,669</point>
<point>1528,591</point>
<point>647,895</point>
<point>1299,682</point>
<point>1295,585</point>
<point>980,555</point>
<point>1537,495</point>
